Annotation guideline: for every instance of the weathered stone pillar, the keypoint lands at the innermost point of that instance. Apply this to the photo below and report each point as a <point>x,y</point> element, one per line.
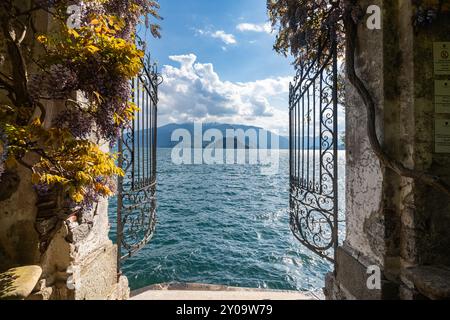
<point>395,223</point>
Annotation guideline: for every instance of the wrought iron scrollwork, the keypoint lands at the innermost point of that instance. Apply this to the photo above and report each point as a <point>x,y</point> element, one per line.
<point>136,204</point>
<point>313,103</point>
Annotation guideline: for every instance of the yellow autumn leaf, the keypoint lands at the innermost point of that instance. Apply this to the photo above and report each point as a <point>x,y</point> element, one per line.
<point>95,22</point>
<point>77,197</point>
<point>42,39</point>
<point>73,33</point>
<point>92,49</point>
<point>37,122</point>
<point>98,96</point>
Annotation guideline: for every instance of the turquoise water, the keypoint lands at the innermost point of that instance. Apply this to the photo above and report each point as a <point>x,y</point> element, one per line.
<point>225,224</point>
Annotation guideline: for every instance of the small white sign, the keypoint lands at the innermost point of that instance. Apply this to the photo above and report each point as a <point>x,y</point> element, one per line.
<point>442,136</point>
<point>442,96</point>
<point>441,58</point>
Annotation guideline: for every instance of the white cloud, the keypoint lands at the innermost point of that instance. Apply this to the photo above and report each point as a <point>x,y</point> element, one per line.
<point>226,38</point>
<point>262,27</point>
<point>193,91</point>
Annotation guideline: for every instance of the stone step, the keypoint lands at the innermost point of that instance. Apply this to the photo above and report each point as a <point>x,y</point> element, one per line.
<point>18,283</point>
<point>195,291</point>
<point>431,281</point>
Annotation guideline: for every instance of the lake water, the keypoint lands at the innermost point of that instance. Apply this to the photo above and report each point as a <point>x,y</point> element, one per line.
<point>225,224</point>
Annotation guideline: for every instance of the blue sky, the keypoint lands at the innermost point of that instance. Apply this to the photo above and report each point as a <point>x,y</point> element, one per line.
<point>251,58</point>
<point>218,62</point>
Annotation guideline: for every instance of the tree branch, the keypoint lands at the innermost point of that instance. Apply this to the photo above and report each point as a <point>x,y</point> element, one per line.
<point>8,78</point>
<point>6,85</point>
<point>17,60</point>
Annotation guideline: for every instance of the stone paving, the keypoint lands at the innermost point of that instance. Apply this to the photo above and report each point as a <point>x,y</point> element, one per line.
<point>194,291</point>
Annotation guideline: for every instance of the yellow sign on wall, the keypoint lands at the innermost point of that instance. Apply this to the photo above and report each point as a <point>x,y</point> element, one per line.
<point>442,58</point>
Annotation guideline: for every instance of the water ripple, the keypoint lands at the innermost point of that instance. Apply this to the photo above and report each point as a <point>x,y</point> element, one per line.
<point>224,225</point>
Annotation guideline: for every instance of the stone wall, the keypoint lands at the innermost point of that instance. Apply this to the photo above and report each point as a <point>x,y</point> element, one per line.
<point>393,222</point>
<point>18,238</point>
<point>79,261</point>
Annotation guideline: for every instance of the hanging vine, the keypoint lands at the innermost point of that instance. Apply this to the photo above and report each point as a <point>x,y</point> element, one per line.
<point>95,60</point>
<point>302,23</point>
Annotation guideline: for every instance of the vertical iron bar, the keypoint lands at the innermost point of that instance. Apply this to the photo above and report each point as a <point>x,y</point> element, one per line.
<point>303,139</point>
<point>308,119</point>
<point>290,137</point>
<point>320,134</point>
<point>119,225</point>
<point>143,133</point>
<point>136,151</point>
<point>294,107</point>
<point>298,143</point>
<point>133,97</point>
<point>155,131</point>
<point>335,129</point>
<point>314,136</point>
<point>149,134</point>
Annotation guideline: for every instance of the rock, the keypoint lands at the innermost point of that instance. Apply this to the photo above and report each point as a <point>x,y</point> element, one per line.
<point>18,283</point>
<point>431,281</point>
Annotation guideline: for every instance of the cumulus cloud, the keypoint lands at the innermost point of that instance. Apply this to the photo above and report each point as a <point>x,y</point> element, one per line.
<point>252,27</point>
<point>226,38</point>
<point>193,91</point>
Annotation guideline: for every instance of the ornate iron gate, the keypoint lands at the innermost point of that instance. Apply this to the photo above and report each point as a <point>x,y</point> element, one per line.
<point>136,202</point>
<point>313,104</point>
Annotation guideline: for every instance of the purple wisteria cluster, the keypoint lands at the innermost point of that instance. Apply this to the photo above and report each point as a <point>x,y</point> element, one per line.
<point>41,189</point>
<point>114,93</point>
<point>122,9</point>
<point>113,104</point>
<point>79,122</point>
<point>90,77</point>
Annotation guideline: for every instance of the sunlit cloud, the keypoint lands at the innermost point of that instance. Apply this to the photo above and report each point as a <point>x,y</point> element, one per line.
<point>193,91</point>
<point>226,38</point>
<point>251,27</point>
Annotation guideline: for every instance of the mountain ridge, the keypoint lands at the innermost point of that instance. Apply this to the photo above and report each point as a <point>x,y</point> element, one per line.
<point>165,135</point>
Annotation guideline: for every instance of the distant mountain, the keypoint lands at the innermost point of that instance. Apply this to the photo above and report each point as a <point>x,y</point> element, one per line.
<point>165,135</point>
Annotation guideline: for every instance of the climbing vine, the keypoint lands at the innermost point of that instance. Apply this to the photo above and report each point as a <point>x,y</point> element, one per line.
<point>87,71</point>
<point>301,26</point>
